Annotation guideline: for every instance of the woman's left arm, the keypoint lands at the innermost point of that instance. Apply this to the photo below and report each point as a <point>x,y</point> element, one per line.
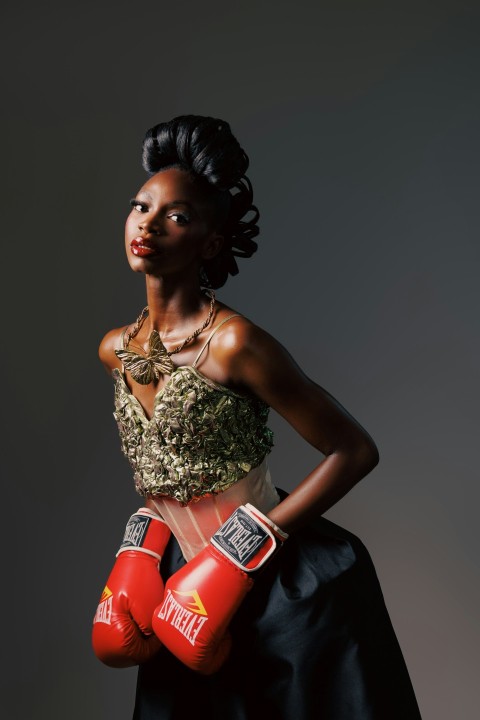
<point>263,367</point>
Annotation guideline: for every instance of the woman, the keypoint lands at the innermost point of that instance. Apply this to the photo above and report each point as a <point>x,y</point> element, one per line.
<point>306,633</point>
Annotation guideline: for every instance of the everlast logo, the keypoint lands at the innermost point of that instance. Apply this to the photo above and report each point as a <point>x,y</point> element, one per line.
<point>104,609</point>
<point>135,531</point>
<point>241,537</point>
<point>188,623</point>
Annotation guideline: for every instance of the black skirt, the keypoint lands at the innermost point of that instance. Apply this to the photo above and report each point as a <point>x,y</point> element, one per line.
<point>312,641</point>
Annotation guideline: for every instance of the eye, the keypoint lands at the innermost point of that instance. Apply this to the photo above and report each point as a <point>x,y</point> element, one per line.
<point>137,205</point>
<point>179,218</point>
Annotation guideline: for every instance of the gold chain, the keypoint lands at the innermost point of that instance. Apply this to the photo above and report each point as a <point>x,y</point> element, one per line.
<point>141,319</point>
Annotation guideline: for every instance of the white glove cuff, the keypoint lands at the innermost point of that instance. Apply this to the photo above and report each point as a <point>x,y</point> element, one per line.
<point>281,535</point>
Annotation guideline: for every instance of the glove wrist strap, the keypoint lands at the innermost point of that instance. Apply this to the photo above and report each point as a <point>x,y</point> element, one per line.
<point>145,532</point>
<point>247,538</point>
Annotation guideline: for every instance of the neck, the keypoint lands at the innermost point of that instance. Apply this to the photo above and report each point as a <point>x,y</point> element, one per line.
<point>171,306</point>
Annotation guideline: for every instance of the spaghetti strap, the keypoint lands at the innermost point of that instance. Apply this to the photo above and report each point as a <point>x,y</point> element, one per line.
<point>122,338</point>
<point>211,335</point>
<point>122,345</point>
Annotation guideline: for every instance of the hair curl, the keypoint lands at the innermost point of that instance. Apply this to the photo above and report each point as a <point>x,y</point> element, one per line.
<point>206,148</point>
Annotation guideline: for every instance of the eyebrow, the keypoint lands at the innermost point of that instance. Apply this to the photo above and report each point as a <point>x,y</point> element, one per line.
<point>170,204</point>
<point>179,202</point>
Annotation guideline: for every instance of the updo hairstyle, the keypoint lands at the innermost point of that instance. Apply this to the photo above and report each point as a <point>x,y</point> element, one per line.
<point>206,148</point>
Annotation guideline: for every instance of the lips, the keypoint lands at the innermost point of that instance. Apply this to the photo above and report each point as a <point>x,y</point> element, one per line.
<point>143,247</point>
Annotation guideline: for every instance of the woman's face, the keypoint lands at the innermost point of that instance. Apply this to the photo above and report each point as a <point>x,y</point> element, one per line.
<point>170,228</point>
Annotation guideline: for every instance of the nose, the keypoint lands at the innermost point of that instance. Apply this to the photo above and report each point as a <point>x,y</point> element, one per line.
<point>150,223</point>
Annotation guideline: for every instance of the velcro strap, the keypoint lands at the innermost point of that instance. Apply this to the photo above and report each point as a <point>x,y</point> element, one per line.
<point>244,540</point>
<point>136,533</point>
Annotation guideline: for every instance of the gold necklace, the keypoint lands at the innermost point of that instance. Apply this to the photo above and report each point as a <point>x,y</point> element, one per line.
<point>146,368</point>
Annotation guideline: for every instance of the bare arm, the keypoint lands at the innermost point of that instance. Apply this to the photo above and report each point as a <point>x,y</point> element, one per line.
<point>263,367</point>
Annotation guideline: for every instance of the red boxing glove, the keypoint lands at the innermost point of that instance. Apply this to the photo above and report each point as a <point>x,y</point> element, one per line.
<point>201,598</point>
<point>122,633</point>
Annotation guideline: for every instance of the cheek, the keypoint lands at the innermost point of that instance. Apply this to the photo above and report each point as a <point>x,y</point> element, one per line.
<point>129,223</point>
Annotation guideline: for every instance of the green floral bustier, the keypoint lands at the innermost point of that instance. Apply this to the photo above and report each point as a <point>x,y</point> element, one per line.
<point>201,439</point>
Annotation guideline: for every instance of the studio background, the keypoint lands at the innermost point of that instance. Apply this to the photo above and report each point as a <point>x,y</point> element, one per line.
<point>361,122</point>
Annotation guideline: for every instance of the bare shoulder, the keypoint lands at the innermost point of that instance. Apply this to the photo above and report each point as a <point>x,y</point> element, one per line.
<point>241,346</point>
<point>106,351</point>
<point>241,336</point>
<point>235,335</point>
<point>260,365</point>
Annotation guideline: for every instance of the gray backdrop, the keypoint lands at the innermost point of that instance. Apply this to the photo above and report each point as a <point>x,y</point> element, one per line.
<point>361,120</point>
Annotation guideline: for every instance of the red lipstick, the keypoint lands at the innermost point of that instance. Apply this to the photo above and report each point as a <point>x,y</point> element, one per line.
<point>141,247</point>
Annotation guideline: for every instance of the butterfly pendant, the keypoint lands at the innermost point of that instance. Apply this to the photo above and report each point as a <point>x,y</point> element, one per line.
<point>146,368</point>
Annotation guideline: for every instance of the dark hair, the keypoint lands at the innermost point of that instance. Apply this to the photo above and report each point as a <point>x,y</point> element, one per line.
<point>206,148</point>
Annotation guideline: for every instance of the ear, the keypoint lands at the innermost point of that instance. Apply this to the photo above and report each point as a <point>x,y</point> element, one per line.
<point>212,246</point>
